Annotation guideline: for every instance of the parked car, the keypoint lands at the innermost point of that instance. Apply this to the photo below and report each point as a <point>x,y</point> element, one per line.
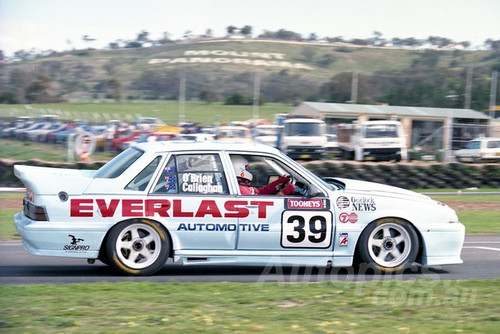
<point>181,200</point>
<point>18,124</point>
<point>482,149</point>
<point>150,137</point>
<point>148,123</point>
<point>126,136</point>
<point>267,134</point>
<point>40,134</point>
<point>233,133</point>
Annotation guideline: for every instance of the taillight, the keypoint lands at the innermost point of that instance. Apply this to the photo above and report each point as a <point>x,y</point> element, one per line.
<point>34,212</point>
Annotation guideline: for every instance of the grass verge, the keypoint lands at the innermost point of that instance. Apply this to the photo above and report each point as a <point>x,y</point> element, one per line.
<point>420,306</point>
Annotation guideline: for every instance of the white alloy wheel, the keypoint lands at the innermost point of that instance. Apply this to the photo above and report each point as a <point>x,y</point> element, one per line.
<point>138,247</point>
<point>390,244</point>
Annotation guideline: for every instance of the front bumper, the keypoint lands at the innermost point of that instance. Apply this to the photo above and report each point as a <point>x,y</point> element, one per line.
<point>443,245</point>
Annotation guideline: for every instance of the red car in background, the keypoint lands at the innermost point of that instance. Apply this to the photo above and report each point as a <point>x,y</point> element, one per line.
<point>127,136</point>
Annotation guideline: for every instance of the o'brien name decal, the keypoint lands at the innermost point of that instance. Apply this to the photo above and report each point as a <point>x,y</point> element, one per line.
<point>165,208</point>
<point>199,183</point>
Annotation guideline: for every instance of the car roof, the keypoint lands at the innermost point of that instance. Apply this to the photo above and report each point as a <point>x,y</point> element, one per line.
<point>157,147</point>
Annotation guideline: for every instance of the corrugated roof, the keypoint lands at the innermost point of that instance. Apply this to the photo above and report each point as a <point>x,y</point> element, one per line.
<point>379,110</point>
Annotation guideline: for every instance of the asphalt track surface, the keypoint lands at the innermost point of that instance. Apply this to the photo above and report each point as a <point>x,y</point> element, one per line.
<point>481,256</point>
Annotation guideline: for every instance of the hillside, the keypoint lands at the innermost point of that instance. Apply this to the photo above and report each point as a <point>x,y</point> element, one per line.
<point>216,69</point>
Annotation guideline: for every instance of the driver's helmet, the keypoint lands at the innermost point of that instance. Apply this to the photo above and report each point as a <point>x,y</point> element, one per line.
<point>240,165</point>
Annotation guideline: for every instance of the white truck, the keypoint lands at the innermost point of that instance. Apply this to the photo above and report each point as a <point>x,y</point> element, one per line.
<point>372,140</point>
<point>303,138</point>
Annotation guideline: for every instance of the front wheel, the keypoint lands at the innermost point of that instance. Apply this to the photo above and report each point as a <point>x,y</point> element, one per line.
<point>137,247</point>
<point>389,244</point>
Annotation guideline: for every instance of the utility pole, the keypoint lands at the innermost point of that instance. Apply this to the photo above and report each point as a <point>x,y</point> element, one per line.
<point>354,87</point>
<point>256,95</point>
<point>182,98</point>
<point>468,87</point>
<point>493,93</point>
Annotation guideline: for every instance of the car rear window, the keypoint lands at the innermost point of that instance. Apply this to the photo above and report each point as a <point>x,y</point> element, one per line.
<point>119,164</point>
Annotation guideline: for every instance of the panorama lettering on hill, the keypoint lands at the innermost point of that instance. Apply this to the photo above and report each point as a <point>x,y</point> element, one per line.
<point>265,59</point>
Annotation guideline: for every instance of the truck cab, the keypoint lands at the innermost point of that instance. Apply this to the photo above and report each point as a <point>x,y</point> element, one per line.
<point>304,138</point>
<point>373,140</point>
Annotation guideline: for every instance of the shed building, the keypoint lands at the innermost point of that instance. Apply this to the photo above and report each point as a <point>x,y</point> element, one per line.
<point>430,129</point>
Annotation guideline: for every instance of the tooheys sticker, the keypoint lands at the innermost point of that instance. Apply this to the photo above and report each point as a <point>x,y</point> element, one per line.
<point>306,204</point>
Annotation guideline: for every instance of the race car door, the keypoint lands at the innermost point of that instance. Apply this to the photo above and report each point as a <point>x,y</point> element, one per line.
<point>275,222</point>
<point>196,187</point>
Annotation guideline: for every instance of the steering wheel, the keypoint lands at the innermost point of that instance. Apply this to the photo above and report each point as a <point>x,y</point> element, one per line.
<point>301,189</point>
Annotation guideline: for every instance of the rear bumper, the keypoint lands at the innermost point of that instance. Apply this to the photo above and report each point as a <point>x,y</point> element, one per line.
<point>81,240</point>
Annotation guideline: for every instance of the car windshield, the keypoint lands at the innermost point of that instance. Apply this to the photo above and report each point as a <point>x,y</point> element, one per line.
<point>382,131</point>
<point>303,129</point>
<point>473,145</point>
<point>119,164</point>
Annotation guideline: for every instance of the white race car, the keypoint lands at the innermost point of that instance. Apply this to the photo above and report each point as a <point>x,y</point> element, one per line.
<point>182,200</point>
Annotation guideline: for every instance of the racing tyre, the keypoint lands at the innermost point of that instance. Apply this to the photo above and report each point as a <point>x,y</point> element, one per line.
<point>137,247</point>
<point>389,245</point>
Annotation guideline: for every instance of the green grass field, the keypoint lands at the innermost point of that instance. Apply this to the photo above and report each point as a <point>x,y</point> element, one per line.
<point>168,111</point>
<point>420,306</point>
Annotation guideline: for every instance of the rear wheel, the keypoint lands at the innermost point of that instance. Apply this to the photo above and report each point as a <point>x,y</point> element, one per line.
<point>389,244</point>
<point>137,247</point>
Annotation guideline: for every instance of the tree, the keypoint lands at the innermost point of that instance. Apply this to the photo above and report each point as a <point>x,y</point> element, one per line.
<point>143,37</point>
<point>247,31</point>
<point>238,99</point>
<point>325,60</point>
<point>208,95</point>
<point>312,37</point>
<point>308,53</point>
<point>165,38</point>
<point>39,89</point>
<point>208,33</point>
<point>230,30</point>
<point>115,86</point>
<point>88,40</point>
<point>377,39</point>
<point>338,89</point>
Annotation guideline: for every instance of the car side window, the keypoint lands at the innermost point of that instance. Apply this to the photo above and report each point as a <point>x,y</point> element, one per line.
<point>192,174</point>
<point>141,181</point>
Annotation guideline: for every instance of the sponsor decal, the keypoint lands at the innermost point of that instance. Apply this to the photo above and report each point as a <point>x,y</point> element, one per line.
<point>363,204</point>
<point>74,246</point>
<point>343,239</point>
<point>345,217</point>
<point>306,229</point>
<point>306,204</point>
<point>165,208</point>
<point>343,202</point>
<point>200,183</point>
<point>223,227</point>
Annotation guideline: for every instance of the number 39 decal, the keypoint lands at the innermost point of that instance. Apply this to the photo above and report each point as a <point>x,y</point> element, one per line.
<point>306,229</point>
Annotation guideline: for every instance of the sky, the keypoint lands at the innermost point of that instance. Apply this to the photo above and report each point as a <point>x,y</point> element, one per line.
<point>61,24</point>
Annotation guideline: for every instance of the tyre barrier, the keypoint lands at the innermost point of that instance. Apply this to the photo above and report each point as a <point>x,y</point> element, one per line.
<point>403,175</point>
